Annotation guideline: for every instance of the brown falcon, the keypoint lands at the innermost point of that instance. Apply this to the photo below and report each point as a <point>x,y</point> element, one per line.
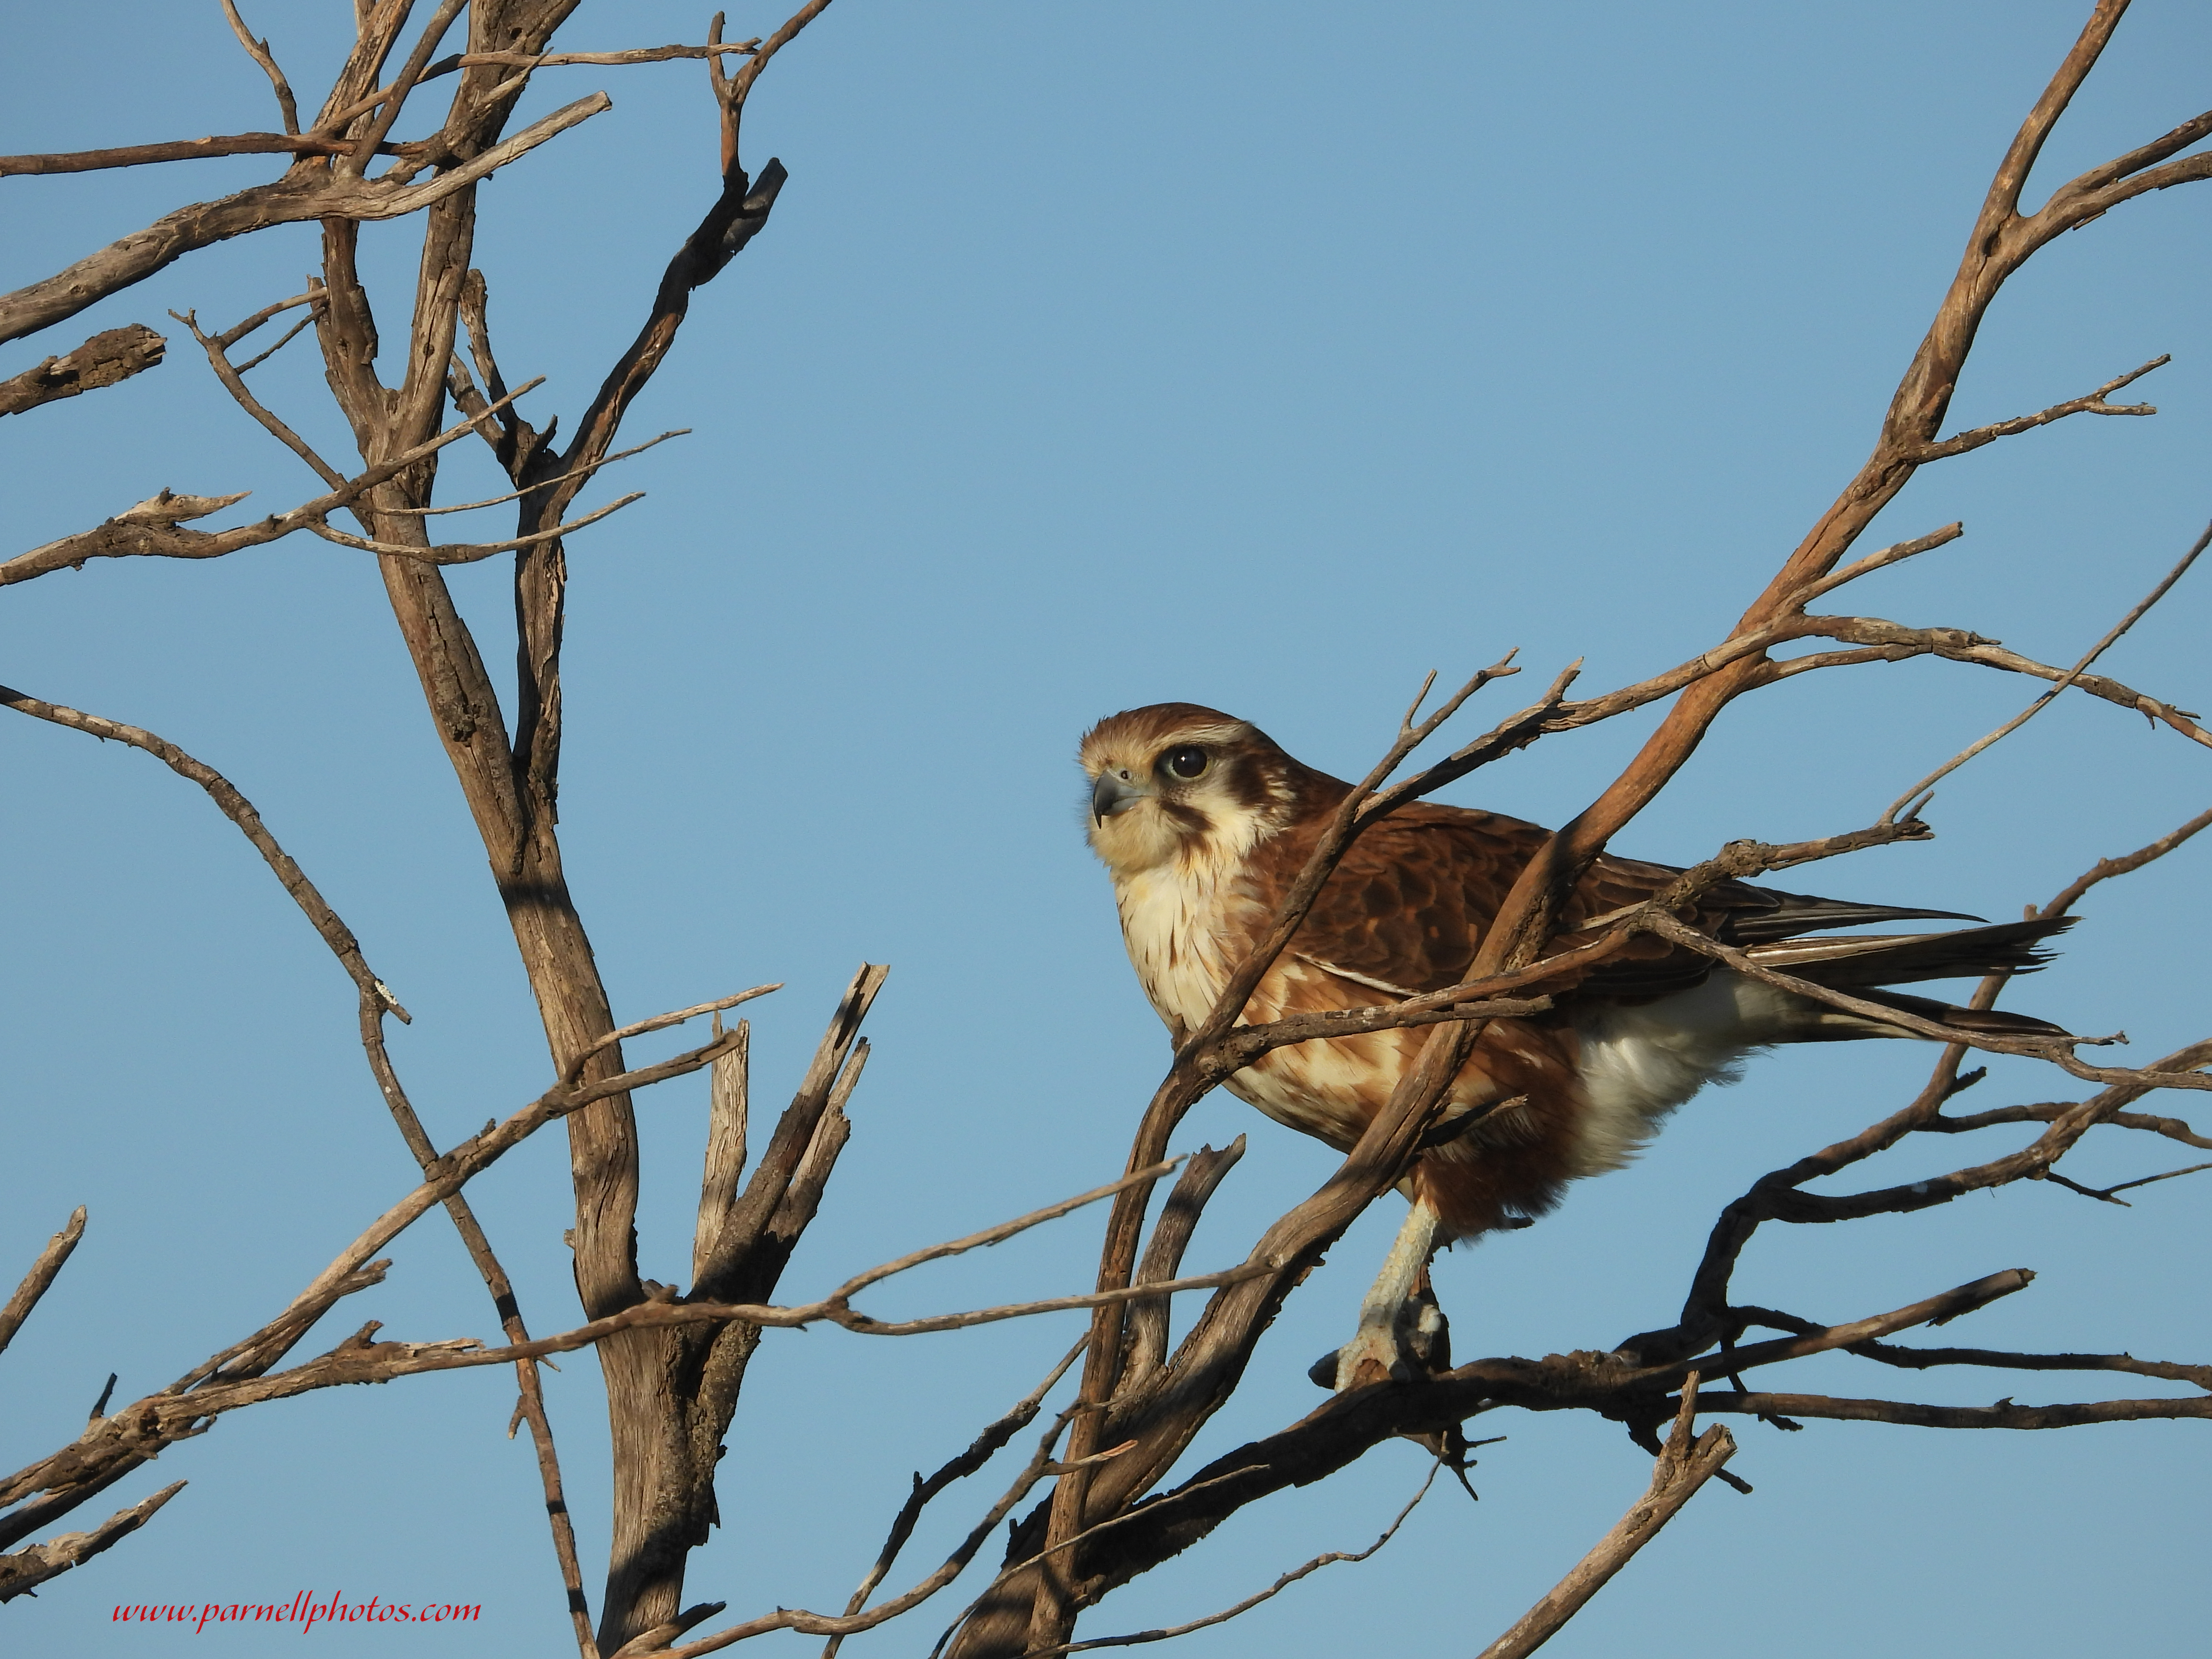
<point>1205,821</point>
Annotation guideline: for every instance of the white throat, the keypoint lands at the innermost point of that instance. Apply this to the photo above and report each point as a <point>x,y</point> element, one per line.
<point>1177,914</point>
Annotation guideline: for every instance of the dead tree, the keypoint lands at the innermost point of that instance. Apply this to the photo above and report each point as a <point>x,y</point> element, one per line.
<point>673,1365</point>
<point>675,1361</point>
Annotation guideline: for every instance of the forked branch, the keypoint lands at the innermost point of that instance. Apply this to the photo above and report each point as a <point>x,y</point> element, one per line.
<point>2003,239</point>
<point>293,199</point>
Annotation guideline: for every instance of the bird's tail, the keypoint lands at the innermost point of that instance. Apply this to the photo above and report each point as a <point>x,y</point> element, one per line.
<point>1863,964</point>
<point>1976,1022</point>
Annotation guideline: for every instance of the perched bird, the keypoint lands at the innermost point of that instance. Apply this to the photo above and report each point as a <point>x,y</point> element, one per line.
<point>1205,821</point>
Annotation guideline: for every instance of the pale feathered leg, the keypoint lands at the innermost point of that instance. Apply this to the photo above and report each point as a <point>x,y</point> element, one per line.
<point>1398,1329</point>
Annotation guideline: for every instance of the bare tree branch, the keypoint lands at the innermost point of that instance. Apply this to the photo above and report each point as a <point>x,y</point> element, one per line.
<point>2106,1192</point>
<point>985,1446</point>
<point>2094,404</point>
<point>179,149</point>
<point>150,530</point>
<point>711,52</point>
<point>25,1570</point>
<point>1329,1558</point>
<point>41,1276</point>
<point>1688,1461</point>
<point>741,83</point>
<point>1926,1358</point>
<point>259,52</point>
<point>729,1100</point>
<point>290,200</point>
<point>2106,869</point>
<point>517,495</point>
<point>2173,1128</point>
<point>240,810</point>
<point>1892,641</point>
<point>1147,1323</point>
<point>2073,674</point>
<point>111,356</point>
<point>239,1378</point>
<point>2002,1415</point>
<point>470,552</point>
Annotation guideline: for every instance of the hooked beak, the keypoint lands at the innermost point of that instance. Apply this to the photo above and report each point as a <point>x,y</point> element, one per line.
<point>1116,790</point>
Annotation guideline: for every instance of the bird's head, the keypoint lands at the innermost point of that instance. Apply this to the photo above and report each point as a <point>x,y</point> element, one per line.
<point>1177,781</point>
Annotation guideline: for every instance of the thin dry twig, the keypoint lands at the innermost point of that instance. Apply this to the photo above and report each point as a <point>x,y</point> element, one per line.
<point>259,52</point>
<point>231,336</point>
<point>1888,641</point>
<point>2094,404</point>
<point>1330,1558</point>
<point>218,358</point>
<point>996,1234</point>
<point>985,1446</point>
<point>233,806</point>
<point>283,340</point>
<point>662,1022</point>
<point>741,83</point>
<point>1880,559</point>
<point>2105,1192</point>
<point>517,495</point>
<point>2106,869</point>
<point>956,1562</point>
<point>469,552</point>
<point>1920,790</point>
<point>2050,1111</point>
<point>2004,1415</point>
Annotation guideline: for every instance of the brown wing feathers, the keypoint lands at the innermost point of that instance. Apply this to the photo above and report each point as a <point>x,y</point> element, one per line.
<point>1407,906</point>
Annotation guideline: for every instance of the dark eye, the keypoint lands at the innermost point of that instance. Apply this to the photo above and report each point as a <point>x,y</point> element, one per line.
<point>1186,761</point>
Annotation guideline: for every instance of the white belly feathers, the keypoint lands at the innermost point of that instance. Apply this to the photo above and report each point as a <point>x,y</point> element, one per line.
<point>1639,1061</point>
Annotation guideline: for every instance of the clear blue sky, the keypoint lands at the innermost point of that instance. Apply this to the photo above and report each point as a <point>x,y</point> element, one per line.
<point>1264,356</point>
